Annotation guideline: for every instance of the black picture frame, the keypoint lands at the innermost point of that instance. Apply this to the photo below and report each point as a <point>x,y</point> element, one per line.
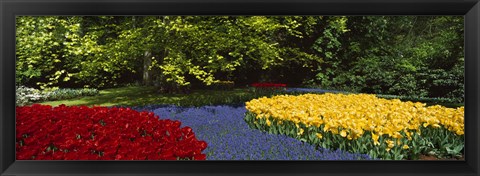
<point>11,8</point>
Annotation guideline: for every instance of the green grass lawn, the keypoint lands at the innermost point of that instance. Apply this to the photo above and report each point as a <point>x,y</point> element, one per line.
<point>139,96</point>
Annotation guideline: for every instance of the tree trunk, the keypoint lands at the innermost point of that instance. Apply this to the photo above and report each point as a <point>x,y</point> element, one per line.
<point>147,74</point>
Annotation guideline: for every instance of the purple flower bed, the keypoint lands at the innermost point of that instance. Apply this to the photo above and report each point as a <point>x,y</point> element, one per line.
<point>230,138</point>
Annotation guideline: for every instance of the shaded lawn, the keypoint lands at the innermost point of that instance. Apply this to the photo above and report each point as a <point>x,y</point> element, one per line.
<point>139,96</point>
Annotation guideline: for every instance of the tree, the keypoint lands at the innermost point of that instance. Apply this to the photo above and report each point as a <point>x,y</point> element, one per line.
<point>400,55</point>
<point>403,55</point>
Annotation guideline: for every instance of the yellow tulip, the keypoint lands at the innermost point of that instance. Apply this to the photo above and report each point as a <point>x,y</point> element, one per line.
<point>268,122</point>
<point>326,128</point>
<point>375,139</point>
<point>390,143</point>
<point>397,135</point>
<point>343,133</point>
<point>357,112</point>
<point>300,132</point>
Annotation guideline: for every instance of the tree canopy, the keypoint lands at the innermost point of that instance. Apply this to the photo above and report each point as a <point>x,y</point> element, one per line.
<point>403,55</point>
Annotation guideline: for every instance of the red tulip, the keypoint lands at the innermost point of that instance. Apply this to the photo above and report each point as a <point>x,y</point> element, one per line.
<point>100,133</point>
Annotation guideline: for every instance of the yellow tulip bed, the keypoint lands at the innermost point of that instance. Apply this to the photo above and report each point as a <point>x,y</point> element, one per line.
<point>362,123</point>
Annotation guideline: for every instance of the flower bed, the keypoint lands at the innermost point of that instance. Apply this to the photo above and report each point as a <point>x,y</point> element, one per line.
<point>100,133</point>
<point>26,95</point>
<point>311,90</point>
<point>230,138</point>
<point>362,123</point>
<point>268,87</point>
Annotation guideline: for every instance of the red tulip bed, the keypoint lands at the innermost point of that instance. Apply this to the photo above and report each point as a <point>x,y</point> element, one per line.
<point>268,87</point>
<point>100,133</point>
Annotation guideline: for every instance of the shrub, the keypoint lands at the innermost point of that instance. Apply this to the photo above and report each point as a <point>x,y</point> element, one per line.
<point>101,133</point>
<point>222,85</point>
<point>62,94</point>
<point>25,95</point>
<point>362,123</point>
<point>419,99</point>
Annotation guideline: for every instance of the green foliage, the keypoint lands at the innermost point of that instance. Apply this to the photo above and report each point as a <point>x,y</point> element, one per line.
<point>222,85</point>
<point>400,55</point>
<point>328,44</point>
<point>69,52</point>
<point>63,94</point>
<point>447,102</point>
<point>102,51</point>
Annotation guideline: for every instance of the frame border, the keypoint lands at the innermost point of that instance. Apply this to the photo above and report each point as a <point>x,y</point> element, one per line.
<point>9,9</point>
